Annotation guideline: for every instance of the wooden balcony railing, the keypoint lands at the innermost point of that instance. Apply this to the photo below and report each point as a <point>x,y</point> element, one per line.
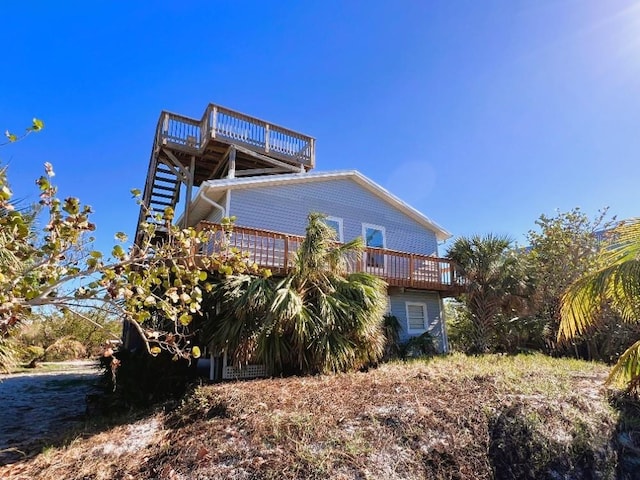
<point>275,251</point>
<point>234,127</point>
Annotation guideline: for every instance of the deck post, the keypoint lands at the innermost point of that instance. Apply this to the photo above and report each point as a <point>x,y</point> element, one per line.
<point>189,182</point>
<point>232,163</point>
<point>204,128</point>
<point>312,153</point>
<point>165,128</point>
<point>411,268</point>
<point>214,122</point>
<point>286,254</point>
<point>266,138</point>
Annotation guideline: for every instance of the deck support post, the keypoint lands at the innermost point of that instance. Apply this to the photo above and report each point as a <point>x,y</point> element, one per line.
<point>232,163</point>
<point>189,183</point>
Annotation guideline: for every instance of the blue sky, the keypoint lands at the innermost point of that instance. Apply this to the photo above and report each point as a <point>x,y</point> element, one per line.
<point>481,114</point>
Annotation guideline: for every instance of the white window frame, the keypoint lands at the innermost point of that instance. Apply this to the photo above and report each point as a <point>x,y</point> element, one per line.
<point>384,246</point>
<point>426,317</point>
<point>339,221</point>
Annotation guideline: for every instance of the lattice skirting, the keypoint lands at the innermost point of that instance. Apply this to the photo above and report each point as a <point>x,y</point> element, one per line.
<point>248,371</point>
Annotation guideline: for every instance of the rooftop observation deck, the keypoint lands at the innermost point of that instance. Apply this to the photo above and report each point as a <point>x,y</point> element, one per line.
<point>275,251</point>
<point>209,138</point>
<point>222,143</point>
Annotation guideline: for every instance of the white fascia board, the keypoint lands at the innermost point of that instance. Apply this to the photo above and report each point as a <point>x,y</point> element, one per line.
<point>268,180</point>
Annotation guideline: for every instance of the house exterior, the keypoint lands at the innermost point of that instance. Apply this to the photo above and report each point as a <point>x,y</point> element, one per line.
<point>356,207</point>
<point>261,174</point>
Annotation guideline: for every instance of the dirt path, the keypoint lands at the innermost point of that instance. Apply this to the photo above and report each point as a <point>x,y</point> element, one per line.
<point>35,407</point>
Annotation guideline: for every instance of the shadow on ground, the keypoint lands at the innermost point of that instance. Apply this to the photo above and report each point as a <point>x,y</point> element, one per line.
<point>518,450</point>
<point>41,409</point>
<point>627,436</point>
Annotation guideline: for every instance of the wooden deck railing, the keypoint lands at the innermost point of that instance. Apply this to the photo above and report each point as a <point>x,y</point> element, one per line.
<point>275,251</point>
<point>234,127</point>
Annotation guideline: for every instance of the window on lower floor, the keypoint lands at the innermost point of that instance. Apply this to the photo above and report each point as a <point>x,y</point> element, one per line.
<point>416,317</point>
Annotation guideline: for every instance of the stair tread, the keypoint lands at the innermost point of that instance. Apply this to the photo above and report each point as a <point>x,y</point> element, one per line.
<point>163,179</point>
<point>164,187</point>
<point>163,195</point>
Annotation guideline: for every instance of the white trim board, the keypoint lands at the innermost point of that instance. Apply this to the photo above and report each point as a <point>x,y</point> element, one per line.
<point>425,317</point>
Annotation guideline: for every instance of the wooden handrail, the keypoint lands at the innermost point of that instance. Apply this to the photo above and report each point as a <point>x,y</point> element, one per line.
<point>275,250</point>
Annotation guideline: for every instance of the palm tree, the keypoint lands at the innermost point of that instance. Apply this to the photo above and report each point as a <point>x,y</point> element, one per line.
<point>495,283</point>
<point>616,284</point>
<point>319,318</point>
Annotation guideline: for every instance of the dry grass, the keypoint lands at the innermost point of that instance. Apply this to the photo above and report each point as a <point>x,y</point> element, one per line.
<point>453,417</point>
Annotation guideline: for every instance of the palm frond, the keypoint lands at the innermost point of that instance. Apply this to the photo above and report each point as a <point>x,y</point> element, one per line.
<point>287,303</point>
<point>623,244</point>
<point>312,254</point>
<point>627,369</point>
<point>616,283</point>
<point>274,349</point>
<point>495,282</point>
<point>340,256</point>
<point>317,319</point>
<point>7,356</point>
<point>242,301</point>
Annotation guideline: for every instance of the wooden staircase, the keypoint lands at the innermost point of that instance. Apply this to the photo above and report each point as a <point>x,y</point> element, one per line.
<point>165,191</point>
<point>222,144</point>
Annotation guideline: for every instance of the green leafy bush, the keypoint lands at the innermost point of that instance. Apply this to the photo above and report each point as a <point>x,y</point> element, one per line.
<point>391,329</point>
<point>7,356</point>
<point>422,346</point>
<point>28,353</point>
<point>44,330</point>
<point>65,349</point>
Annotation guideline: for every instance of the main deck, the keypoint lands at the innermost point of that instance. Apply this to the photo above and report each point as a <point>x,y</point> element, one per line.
<point>275,251</point>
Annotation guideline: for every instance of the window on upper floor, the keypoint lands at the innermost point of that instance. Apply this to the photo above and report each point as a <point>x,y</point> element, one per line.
<point>416,317</point>
<point>336,224</point>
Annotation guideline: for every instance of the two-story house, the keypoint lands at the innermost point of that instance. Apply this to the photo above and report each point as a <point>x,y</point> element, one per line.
<point>261,174</point>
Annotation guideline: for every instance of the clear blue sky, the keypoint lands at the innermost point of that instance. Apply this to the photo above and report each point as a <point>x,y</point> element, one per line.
<point>481,114</point>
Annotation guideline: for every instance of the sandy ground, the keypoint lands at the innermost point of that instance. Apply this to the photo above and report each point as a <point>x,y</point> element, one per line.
<point>37,406</point>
